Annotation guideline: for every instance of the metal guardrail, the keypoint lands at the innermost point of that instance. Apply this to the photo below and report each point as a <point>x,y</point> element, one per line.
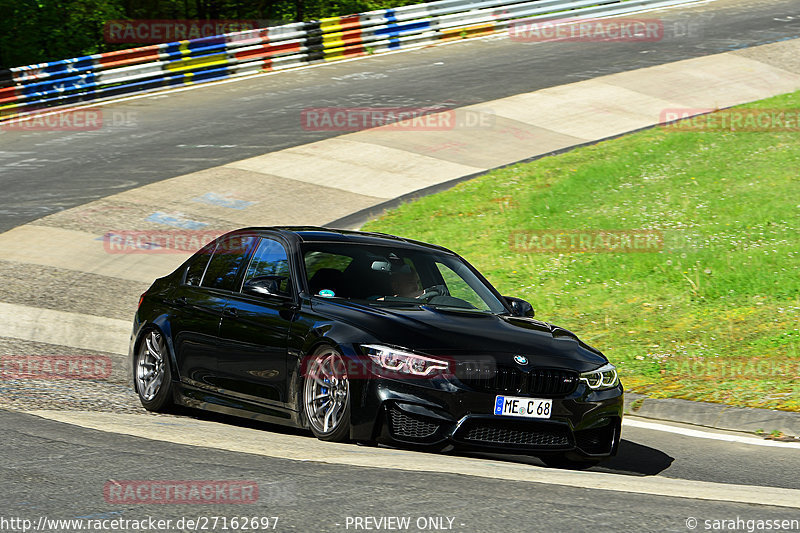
<point>31,88</point>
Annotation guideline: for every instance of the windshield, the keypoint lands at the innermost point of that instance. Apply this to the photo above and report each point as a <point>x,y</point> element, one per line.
<point>395,276</point>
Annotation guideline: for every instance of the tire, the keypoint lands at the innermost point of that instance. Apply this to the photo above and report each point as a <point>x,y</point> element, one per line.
<point>570,461</point>
<point>326,396</point>
<point>153,373</point>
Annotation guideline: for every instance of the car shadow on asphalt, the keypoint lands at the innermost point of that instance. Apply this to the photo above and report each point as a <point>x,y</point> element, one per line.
<point>632,459</point>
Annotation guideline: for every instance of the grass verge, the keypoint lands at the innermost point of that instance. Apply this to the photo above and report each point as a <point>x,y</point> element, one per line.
<point>712,314</point>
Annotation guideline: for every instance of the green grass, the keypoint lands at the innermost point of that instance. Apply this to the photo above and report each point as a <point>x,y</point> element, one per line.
<point>712,316</point>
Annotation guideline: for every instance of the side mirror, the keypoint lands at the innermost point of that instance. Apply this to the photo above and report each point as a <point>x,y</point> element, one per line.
<point>266,286</point>
<point>519,307</point>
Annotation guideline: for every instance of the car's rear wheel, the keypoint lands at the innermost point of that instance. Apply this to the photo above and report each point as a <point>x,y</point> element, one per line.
<point>153,379</point>
<point>326,395</point>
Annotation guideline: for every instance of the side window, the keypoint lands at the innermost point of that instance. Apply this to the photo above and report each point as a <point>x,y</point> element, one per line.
<point>325,271</point>
<point>270,259</point>
<point>228,257</point>
<point>197,266</point>
<point>316,261</point>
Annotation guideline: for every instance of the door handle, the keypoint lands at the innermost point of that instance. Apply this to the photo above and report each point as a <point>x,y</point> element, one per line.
<point>231,311</point>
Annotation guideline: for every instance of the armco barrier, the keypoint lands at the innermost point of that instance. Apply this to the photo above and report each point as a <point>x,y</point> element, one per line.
<point>31,88</point>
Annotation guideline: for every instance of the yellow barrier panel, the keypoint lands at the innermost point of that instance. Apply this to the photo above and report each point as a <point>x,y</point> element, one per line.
<point>199,62</point>
<point>332,37</point>
<point>184,49</point>
<point>478,30</point>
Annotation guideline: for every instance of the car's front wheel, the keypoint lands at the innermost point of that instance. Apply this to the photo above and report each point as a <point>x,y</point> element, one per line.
<point>326,395</point>
<point>153,377</point>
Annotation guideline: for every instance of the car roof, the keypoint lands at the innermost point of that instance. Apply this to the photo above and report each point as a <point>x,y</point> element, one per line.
<point>322,234</point>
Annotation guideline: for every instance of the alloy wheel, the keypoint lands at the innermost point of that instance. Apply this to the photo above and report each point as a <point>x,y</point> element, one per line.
<point>326,395</point>
<point>150,366</point>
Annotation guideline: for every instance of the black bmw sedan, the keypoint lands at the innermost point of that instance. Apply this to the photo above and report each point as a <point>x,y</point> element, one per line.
<point>370,338</point>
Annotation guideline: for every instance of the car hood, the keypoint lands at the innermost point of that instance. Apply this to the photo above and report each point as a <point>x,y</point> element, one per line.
<point>438,331</point>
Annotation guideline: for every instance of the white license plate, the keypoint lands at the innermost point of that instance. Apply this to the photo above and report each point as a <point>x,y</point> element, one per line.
<point>524,407</point>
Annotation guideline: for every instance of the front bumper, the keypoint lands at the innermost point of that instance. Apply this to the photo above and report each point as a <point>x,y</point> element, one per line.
<point>434,413</point>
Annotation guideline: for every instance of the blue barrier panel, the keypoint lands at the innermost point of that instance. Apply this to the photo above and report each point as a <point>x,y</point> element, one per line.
<point>393,30</point>
<point>83,82</point>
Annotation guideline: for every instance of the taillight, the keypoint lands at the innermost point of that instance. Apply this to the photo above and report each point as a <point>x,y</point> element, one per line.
<point>141,299</point>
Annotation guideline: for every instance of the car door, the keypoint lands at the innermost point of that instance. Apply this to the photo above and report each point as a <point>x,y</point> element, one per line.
<point>252,361</point>
<point>198,305</point>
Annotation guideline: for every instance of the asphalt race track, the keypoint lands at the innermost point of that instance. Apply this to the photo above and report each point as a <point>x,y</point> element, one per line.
<point>662,480</point>
<point>48,463</point>
<point>151,139</point>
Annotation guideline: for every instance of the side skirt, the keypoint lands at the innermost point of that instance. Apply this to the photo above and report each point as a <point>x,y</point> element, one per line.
<point>204,400</point>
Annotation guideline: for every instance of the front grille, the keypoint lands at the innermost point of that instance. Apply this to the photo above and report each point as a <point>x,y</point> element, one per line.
<point>410,426</point>
<point>489,432</point>
<point>545,382</point>
<point>482,375</point>
<point>551,382</point>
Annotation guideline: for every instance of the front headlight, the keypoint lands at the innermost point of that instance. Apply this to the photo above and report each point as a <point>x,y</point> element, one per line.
<point>405,362</point>
<point>603,378</point>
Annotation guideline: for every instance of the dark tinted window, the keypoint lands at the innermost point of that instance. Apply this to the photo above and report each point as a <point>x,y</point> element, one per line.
<point>316,261</point>
<point>225,263</point>
<point>270,259</point>
<point>197,266</point>
<point>395,275</point>
<point>325,271</point>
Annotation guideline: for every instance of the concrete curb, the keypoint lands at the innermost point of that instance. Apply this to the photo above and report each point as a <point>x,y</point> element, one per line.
<point>355,221</point>
<point>712,415</point>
